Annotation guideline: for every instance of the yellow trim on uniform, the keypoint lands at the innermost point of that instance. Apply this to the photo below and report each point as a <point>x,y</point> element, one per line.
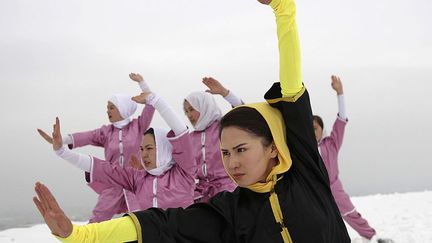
<point>137,226</point>
<point>277,212</point>
<point>287,99</point>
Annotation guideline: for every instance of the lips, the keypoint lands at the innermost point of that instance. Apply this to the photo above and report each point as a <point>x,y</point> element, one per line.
<point>146,163</point>
<point>238,176</point>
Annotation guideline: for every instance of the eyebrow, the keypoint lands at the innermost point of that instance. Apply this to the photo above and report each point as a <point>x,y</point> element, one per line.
<point>235,147</point>
<point>148,145</point>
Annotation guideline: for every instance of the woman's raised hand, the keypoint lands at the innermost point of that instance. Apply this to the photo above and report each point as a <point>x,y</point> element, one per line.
<point>141,98</point>
<point>214,86</point>
<point>337,84</point>
<point>135,163</point>
<point>57,141</point>
<point>136,77</point>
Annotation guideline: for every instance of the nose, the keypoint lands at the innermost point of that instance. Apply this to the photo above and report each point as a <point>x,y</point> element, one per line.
<point>144,154</point>
<point>189,116</point>
<point>233,162</point>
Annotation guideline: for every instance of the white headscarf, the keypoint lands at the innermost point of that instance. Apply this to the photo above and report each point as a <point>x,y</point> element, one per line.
<point>206,105</point>
<point>126,107</point>
<point>164,160</point>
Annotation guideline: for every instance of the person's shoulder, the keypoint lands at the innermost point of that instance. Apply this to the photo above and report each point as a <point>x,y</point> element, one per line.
<point>106,127</point>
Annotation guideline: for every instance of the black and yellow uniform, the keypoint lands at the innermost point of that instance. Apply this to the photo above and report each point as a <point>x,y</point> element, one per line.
<point>294,204</point>
<point>308,210</point>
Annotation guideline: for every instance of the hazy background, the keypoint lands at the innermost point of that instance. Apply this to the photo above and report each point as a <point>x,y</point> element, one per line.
<point>65,58</point>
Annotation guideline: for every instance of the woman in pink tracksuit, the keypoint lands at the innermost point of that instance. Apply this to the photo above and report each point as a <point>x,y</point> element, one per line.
<point>329,148</point>
<point>204,115</point>
<point>169,165</point>
<point>120,140</point>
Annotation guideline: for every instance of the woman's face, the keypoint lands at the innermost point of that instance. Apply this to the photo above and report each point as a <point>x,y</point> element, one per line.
<point>318,131</point>
<point>148,151</point>
<point>245,157</point>
<point>113,113</point>
<point>192,114</point>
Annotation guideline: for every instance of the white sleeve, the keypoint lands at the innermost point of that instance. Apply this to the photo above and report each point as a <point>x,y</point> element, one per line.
<point>170,117</point>
<point>77,159</point>
<point>67,140</point>
<point>233,99</point>
<point>144,86</point>
<point>341,107</point>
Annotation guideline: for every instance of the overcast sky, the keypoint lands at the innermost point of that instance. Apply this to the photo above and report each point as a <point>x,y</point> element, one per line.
<point>65,58</point>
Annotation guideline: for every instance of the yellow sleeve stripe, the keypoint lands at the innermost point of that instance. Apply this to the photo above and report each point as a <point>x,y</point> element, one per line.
<point>137,226</point>
<point>287,99</point>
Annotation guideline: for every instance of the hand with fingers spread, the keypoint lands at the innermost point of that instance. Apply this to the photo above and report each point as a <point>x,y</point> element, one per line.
<point>214,86</point>
<point>141,98</point>
<point>337,84</point>
<point>135,163</point>
<point>57,141</point>
<point>136,77</point>
<point>45,136</point>
<point>53,215</point>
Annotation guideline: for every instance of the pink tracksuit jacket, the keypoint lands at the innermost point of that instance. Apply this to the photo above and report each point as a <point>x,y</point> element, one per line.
<point>116,142</point>
<point>175,188</point>
<point>211,174</point>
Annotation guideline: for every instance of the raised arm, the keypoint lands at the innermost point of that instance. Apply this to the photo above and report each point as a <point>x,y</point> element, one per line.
<point>291,98</point>
<point>338,129</point>
<point>338,87</point>
<point>216,88</point>
<point>147,114</point>
<point>289,46</point>
<point>167,113</point>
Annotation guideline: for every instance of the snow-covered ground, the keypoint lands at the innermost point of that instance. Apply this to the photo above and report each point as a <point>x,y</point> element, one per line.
<point>404,217</point>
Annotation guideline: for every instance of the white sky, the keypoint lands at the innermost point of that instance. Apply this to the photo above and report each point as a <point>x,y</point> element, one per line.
<point>66,58</point>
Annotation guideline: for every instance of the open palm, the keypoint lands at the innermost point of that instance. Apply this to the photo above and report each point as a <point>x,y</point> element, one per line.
<point>53,215</point>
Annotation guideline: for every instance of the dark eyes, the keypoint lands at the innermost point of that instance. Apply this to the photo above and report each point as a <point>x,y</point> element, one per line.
<point>238,150</point>
<point>241,150</point>
<point>146,148</point>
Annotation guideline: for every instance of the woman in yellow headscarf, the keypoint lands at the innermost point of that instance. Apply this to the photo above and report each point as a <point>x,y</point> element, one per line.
<point>269,149</point>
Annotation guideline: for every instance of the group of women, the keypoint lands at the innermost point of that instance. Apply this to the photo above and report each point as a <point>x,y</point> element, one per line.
<point>150,166</point>
<point>255,174</point>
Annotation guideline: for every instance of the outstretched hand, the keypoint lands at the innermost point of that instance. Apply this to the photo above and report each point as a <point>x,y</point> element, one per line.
<point>214,86</point>
<point>135,163</point>
<point>337,84</point>
<point>136,77</point>
<point>57,141</point>
<point>141,98</point>
<point>53,215</point>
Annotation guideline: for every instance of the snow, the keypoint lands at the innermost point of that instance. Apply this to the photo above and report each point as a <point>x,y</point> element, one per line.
<point>403,217</point>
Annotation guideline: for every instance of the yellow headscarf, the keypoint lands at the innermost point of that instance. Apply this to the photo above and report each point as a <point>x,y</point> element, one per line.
<point>274,120</point>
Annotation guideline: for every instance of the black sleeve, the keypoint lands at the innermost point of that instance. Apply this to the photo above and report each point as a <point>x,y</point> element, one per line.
<point>202,222</point>
<point>298,118</point>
